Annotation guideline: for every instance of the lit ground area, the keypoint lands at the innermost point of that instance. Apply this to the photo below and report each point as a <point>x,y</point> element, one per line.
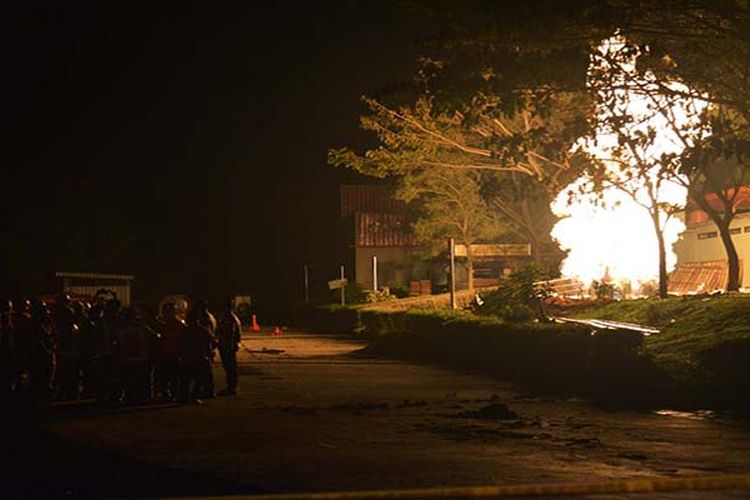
<point>315,415</point>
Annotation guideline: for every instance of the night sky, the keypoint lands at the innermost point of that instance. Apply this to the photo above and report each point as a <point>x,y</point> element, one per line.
<point>186,146</point>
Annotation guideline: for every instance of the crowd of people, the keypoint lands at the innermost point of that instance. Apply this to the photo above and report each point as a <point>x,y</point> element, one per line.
<point>72,349</point>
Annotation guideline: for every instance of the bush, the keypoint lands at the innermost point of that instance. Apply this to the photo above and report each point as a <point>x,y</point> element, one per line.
<point>398,290</point>
<point>335,319</point>
<point>354,293</point>
<point>604,290</point>
<point>517,298</point>
<point>382,295</point>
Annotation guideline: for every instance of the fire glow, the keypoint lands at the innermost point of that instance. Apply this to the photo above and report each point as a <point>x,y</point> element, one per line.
<point>615,239</point>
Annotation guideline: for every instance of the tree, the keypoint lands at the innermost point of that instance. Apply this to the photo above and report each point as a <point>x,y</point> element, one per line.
<point>526,205</point>
<point>706,137</point>
<point>632,139</point>
<point>685,50</point>
<point>451,206</point>
<point>444,156</point>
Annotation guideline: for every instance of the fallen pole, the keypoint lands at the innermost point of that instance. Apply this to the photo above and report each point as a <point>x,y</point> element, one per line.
<point>611,325</point>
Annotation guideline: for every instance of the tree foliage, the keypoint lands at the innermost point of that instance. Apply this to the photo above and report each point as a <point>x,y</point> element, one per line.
<point>476,174</point>
<point>685,50</point>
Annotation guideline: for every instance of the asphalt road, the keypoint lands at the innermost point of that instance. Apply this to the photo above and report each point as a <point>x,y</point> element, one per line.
<point>315,413</point>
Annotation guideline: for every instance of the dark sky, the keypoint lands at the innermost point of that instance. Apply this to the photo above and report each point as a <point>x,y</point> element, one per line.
<point>187,145</point>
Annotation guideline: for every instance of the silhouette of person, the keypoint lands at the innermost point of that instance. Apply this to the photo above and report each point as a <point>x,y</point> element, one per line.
<point>106,363</point>
<point>42,352</point>
<point>205,318</point>
<point>196,349</point>
<point>168,352</point>
<point>22,341</point>
<point>66,335</point>
<point>134,345</point>
<point>228,334</point>
<point>87,348</point>
<point>6,345</point>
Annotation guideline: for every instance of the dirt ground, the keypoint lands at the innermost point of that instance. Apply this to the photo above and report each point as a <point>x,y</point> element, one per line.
<point>315,413</point>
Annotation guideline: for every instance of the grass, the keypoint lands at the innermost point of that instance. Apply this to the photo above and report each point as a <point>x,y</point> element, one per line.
<point>703,342</point>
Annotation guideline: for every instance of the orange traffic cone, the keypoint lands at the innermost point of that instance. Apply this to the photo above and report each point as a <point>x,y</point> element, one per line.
<point>255,326</point>
<point>276,332</point>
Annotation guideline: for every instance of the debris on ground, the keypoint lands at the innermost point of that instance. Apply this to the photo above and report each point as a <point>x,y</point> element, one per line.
<point>494,411</point>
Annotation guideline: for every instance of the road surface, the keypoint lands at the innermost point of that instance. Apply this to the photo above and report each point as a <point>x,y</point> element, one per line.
<point>315,413</point>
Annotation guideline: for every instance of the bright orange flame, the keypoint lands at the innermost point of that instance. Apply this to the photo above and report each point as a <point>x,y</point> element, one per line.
<point>621,241</point>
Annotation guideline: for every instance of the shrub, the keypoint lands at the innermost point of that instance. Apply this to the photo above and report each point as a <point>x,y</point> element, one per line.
<point>517,298</point>
<point>604,290</point>
<point>335,319</point>
<point>372,296</point>
<point>399,290</point>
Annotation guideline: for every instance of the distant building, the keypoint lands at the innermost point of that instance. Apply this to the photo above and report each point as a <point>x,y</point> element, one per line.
<point>701,257</point>
<point>377,225</point>
<point>86,286</point>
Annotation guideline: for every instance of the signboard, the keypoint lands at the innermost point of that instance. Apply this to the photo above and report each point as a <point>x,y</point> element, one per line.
<point>496,250</point>
<point>335,284</point>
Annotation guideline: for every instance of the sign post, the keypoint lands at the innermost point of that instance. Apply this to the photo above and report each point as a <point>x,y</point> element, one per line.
<point>343,286</point>
<point>452,284</point>
<point>375,273</point>
<point>495,250</point>
<point>307,284</point>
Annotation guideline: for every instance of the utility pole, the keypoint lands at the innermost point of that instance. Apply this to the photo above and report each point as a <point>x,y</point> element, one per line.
<point>452,284</point>
<point>343,285</point>
<point>307,284</point>
<point>375,273</point>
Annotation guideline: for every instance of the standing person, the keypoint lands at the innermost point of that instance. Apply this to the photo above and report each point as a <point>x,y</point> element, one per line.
<point>66,335</point>
<point>87,348</point>
<point>106,364</point>
<point>168,352</point>
<point>206,319</point>
<point>6,345</point>
<point>42,353</point>
<point>22,342</point>
<point>229,334</point>
<point>196,349</point>
<point>134,344</point>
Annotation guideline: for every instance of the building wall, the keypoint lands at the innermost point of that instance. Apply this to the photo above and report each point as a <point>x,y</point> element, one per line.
<point>698,244</point>
<point>393,265</point>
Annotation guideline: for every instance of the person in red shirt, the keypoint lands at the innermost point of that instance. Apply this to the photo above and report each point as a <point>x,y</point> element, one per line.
<point>168,352</point>
<point>134,343</point>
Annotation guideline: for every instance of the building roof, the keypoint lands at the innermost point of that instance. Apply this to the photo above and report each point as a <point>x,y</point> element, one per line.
<point>700,277</point>
<point>694,214</point>
<point>383,230</point>
<point>369,198</point>
<point>95,276</point>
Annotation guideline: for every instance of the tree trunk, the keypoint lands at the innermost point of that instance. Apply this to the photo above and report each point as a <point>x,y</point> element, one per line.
<point>733,274</point>
<point>723,219</point>
<point>663,283</point>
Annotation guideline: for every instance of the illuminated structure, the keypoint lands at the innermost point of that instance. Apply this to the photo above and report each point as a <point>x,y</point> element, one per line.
<point>701,257</point>
<point>86,286</point>
<point>376,225</point>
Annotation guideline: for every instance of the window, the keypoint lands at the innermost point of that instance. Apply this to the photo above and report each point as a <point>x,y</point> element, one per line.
<point>705,236</point>
<point>735,230</point>
<point>747,229</point>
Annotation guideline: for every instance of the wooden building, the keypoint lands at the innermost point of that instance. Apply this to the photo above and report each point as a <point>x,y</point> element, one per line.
<point>701,257</point>
<point>376,225</point>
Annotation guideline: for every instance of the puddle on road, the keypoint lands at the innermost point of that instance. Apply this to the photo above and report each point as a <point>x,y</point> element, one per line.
<point>690,415</point>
